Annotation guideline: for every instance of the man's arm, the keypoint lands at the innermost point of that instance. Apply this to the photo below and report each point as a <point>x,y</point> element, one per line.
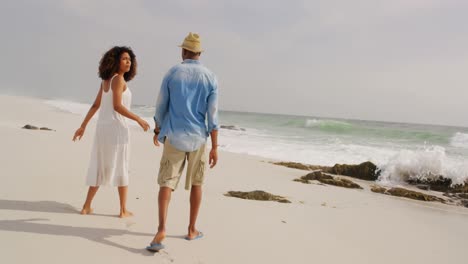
<point>214,148</point>
<point>161,108</point>
<point>213,125</point>
<point>212,109</point>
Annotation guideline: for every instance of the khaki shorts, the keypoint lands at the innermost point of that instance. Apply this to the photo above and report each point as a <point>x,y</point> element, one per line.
<point>172,165</point>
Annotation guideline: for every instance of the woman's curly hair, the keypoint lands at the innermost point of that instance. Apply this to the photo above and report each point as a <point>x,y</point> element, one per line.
<point>110,62</point>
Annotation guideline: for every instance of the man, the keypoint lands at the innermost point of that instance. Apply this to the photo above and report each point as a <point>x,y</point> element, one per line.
<point>187,103</point>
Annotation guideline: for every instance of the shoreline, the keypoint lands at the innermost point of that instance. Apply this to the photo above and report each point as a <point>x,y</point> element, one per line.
<point>90,133</point>
<point>321,142</point>
<point>44,186</point>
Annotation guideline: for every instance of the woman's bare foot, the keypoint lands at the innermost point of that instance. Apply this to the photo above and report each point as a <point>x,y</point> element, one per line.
<point>159,237</point>
<point>86,211</point>
<point>125,213</point>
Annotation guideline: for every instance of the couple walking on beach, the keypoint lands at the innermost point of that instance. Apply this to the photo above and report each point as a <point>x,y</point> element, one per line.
<point>186,114</point>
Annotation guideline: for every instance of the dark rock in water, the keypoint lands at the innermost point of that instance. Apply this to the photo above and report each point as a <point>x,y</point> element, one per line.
<point>328,179</point>
<point>459,188</point>
<point>457,198</point>
<point>401,192</point>
<point>440,184</point>
<point>293,165</point>
<point>450,195</point>
<point>30,127</point>
<point>301,180</point>
<point>300,166</point>
<point>424,187</point>
<point>465,203</point>
<point>369,171</point>
<point>340,182</point>
<point>463,195</point>
<point>365,171</point>
<point>378,189</point>
<point>257,195</point>
<point>36,128</point>
<point>413,195</point>
<point>230,127</point>
<point>317,176</point>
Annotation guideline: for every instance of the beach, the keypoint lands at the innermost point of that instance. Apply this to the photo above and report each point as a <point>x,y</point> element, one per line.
<point>43,189</point>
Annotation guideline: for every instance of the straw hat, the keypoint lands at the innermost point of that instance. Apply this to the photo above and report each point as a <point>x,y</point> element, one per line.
<point>192,43</point>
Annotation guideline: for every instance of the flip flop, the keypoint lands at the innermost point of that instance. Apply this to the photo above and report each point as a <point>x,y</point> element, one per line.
<point>155,247</point>
<point>200,235</point>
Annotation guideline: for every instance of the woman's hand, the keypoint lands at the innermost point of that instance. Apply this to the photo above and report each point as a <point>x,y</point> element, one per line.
<point>79,133</point>
<point>143,124</point>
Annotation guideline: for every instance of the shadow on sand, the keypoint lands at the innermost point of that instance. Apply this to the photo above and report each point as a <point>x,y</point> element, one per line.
<point>38,206</point>
<point>99,235</point>
<point>43,206</point>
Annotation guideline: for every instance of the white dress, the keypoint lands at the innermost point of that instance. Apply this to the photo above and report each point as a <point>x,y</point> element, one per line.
<point>110,153</point>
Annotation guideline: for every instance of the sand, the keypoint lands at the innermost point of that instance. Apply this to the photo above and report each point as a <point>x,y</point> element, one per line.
<point>43,188</point>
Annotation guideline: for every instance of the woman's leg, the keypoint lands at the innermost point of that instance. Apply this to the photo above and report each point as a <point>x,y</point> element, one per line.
<point>123,202</point>
<point>89,198</point>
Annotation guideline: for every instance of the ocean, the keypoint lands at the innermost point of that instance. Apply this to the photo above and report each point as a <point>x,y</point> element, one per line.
<point>400,150</point>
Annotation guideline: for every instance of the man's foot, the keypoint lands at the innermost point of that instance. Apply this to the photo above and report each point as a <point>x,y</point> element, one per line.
<point>125,213</point>
<point>86,210</point>
<point>155,247</point>
<point>192,235</point>
<point>159,237</point>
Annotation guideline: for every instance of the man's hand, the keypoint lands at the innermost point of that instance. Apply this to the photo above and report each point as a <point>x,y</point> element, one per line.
<point>213,158</point>
<point>155,140</point>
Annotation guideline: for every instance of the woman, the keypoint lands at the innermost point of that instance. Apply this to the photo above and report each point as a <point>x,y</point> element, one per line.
<point>109,157</point>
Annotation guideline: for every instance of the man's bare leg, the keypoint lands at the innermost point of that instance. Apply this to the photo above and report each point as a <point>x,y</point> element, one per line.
<point>195,202</point>
<point>123,202</point>
<point>164,198</point>
<point>89,198</point>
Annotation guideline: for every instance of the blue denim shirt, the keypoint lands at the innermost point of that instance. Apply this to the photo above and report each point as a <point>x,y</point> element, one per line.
<point>187,106</point>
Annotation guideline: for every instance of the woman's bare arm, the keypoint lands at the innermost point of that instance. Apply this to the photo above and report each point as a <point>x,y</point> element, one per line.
<point>97,103</point>
<point>118,86</point>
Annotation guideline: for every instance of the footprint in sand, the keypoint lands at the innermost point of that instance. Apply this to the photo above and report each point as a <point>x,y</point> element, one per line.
<point>129,224</point>
<point>166,257</point>
<point>325,204</point>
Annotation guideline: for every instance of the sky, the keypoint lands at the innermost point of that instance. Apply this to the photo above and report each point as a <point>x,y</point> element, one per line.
<point>394,60</point>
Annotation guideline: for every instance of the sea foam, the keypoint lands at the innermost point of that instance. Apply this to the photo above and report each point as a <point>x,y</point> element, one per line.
<point>82,109</point>
<point>459,140</point>
<point>427,163</point>
<point>70,107</point>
